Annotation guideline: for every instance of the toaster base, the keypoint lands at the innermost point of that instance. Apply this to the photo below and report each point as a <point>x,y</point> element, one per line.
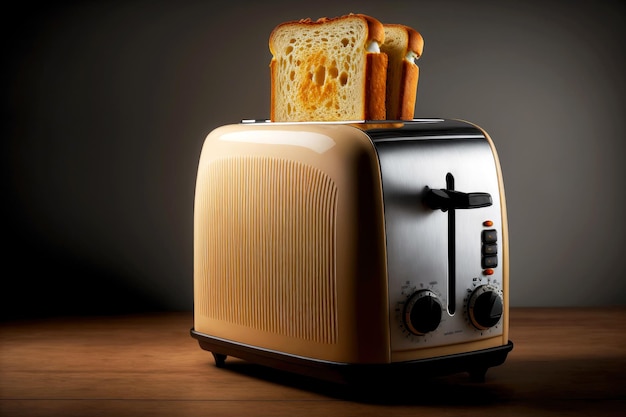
<point>475,363</point>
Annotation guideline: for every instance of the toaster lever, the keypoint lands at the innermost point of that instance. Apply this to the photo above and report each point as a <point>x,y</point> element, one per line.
<point>445,200</point>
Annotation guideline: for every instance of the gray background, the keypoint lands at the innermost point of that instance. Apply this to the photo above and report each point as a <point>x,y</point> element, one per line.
<point>106,105</point>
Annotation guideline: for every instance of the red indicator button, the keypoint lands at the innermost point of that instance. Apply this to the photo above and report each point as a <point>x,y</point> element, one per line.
<point>488,271</point>
<point>487,223</point>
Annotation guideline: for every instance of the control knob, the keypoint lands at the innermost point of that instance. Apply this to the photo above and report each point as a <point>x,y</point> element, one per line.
<point>485,307</point>
<point>422,312</point>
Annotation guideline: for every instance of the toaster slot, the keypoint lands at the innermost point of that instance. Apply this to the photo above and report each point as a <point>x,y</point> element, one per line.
<point>451,251</point>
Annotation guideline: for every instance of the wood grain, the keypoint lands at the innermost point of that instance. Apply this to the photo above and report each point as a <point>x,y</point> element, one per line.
<point>566,362</point>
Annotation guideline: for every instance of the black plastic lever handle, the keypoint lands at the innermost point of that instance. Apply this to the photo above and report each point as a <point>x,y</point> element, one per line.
<point>445,200</point>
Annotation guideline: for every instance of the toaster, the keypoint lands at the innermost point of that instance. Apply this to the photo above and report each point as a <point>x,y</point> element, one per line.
<point>353,250</point>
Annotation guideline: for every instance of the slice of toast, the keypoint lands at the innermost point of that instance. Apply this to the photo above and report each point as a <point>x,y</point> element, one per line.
<point>328,70</point>
<point>403,46</point>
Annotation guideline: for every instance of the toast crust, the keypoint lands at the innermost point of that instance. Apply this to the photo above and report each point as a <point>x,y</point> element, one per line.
<point>408,91</point>
<point>273,75</point>
<point>376,85</point>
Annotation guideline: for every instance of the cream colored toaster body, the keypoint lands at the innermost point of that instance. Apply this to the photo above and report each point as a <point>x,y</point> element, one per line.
<point>348,245</point>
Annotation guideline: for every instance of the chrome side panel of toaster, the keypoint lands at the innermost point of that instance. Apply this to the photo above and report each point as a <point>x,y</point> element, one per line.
<point>422,252</point>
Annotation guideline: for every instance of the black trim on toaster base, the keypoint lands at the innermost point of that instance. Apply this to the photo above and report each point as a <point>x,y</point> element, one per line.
<point>475,363</point>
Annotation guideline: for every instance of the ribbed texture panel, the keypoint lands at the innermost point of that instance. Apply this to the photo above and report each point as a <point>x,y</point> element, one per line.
<point>268,235</point>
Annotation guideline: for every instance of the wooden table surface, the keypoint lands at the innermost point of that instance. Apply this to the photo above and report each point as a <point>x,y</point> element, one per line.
<point>566,362</point>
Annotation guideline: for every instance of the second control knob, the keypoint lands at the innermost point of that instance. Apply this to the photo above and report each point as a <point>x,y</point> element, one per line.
<point>485,307</point>
<point>422,312</point>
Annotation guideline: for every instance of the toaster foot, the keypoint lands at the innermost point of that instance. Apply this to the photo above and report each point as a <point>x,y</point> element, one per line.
<point>220,360</point>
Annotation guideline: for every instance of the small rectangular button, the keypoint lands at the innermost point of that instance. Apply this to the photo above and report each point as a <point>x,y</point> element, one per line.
<point>490,261</point>
<point>490,248</point>
<point>490,236</point>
